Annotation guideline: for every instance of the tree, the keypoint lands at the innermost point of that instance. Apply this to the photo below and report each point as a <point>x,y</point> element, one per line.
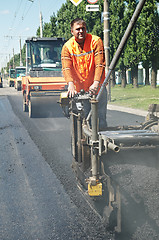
<point>132,51</point>
<point>139,47</point>
<point>155,47</point>
<point>64,17</point>
<point>118,25</point>
<point>68,12</point>
<point>147,39</point>
<point>17,59</point>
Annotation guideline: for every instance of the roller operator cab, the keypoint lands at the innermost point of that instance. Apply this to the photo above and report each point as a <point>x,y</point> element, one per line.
<point>43,70</point>
<point>20,72</point>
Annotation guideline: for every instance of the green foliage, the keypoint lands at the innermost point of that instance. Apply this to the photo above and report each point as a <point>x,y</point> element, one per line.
<point>131,49</point>
<point>17,59</point>
<point>142,42</point>
<point>64,16</point>
<point>68,12</point>
<point>118,23</point>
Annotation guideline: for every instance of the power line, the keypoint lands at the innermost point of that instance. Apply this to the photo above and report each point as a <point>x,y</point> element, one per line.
<point>15,37</point>
<point>18,8</point>
<point>14,18</point>
<point>15,14</point>
<point>24,10</point>
<point>23,16</point>
<point>20,14</point>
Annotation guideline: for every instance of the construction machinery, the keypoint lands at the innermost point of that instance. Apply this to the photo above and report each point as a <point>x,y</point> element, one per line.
<point>1,81</point>
<point>100,157</point>
<point>43,70</point>
<point>20,72</point>
<point>112,166</point>
<point>12,77</point>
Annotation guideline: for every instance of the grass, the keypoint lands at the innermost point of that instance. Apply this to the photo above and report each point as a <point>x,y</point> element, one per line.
<point>137,98</point>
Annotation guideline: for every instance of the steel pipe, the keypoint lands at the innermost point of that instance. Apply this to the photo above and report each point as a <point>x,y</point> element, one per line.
<point>94,138</point>
<point>113,147</point>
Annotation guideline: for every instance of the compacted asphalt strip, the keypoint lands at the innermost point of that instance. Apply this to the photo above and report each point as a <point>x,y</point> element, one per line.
<point>33,203</point>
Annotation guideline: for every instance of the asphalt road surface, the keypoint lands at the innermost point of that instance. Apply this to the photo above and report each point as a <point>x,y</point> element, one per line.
<point>39,197</point>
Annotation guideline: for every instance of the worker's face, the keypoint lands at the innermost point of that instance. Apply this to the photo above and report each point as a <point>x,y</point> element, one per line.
<point>79,31</point>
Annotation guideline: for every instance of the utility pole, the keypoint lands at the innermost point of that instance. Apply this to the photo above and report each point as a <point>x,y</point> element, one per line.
<point>13,59</point>
<point>106,43</point>
<point>41,20</point>
<point>6,68</point>
<point>21,64</point>
<point>41,25</point>
<point>9,61</point>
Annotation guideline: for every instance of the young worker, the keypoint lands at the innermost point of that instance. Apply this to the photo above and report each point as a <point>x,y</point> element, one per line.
<point>83,65</point>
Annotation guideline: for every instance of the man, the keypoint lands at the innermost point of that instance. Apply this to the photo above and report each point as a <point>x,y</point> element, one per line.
<point>83,65</point>
<point>52,55</point>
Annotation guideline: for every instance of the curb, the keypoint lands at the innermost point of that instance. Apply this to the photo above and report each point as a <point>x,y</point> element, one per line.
<point>128,110</point>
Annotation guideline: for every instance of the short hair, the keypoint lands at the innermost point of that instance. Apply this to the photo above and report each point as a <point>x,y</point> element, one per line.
<point>78,20</point>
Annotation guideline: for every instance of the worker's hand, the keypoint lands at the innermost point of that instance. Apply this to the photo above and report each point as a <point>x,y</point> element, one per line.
<point>71,90</point>
<point>94,87</point>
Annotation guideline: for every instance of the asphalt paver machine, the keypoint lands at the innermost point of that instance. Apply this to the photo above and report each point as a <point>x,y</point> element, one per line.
<point>106,163</point>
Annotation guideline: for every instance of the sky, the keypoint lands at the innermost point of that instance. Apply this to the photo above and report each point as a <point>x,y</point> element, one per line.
<point>21,19</point>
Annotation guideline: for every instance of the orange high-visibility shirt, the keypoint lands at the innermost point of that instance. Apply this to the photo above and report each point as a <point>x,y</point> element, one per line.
<point>83,66</point>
